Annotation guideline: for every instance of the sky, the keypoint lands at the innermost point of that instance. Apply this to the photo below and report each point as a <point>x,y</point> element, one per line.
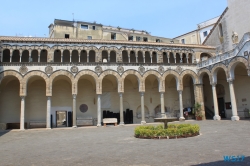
<point>164,18</point>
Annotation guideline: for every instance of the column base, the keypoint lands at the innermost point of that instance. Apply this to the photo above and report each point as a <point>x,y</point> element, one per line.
<point>182,119</point>
<point>217,117</point>
<point>74,126</point>
<point>163,115</point>
<point>21,129</point>
<point>98,125</point>
<point>235,118</point>
<point>143,122</point>
<point>48,128</point>
<point>121,124</point>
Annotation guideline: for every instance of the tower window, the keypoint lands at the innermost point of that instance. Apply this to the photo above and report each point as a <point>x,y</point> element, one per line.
<point>183,41</point>
<point>66,36</point>
<point>113,36</point>
<point>84,26</point>
<point>93,27</point>
<point>205,33</point>
<point>130,38</point>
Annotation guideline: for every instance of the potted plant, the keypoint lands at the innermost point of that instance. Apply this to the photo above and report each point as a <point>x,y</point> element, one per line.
<point>197,111</point>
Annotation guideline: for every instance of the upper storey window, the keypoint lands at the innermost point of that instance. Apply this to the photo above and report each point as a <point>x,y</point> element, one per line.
<point>130,38</point>
<point>183,41</point>
<point>66,36</point>
<point>113,36</point>
<point>145,39</point>
<point>93,27</point>
<point>84,26</point>
<point>158,40</point>
<point>205,33</point>
<point>138,38</point>
<point>220,30</point>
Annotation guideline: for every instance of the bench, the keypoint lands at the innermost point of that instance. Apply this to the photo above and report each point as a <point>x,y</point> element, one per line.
<point>87,121</point>
<point>37,124</point>
<point>110,120</point>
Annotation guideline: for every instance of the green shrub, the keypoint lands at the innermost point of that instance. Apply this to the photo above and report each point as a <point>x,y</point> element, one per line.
<point>172,130</point>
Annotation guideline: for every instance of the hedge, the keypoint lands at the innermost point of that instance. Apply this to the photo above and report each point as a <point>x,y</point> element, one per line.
<point>173,131</point>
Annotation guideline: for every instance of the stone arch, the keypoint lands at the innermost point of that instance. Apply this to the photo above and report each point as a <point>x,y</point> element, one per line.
<point>82,73</point>
<point>215,70</point>
<point>191,73</point>
<point>15,74</point>
<point>176,76</point>
<point>158,76</point>
<point>234,62</point>
<point>63,73</point>
<point>201,74</point>
<point>137,74</point>
<point>114,73</point>
<point>39,74</point>
<point>10,73</point>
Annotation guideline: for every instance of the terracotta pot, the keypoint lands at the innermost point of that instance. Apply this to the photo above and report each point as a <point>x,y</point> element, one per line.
<point>198,118</point>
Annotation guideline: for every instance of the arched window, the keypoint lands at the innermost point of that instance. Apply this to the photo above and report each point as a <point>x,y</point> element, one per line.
<point>220,30</point>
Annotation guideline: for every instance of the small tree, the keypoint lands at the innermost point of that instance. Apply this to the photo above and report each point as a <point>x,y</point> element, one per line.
<point>197,110</point>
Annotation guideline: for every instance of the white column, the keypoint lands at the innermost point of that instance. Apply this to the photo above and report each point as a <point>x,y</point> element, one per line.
<point>174,54</point>
<point>235,116</point>
<point>99,110</point>
<point>128,58</point>
<point>39,55</point>
<point>48,119</point>
<point>143,56</point>
<point>151,56</point>
<point>30,57</point>
<point>216,111</point>
<point>121,110</point>
<point>61,55</point>
<point>108,56</point>
<point>142,109</point>
<point>87,56</point>
<point>163,115</point>
<point>20,52</point>
<point>74,111</point>
<point>70,55</point>
<point>187,58</point>
<point>22,115</point>
<point>11,53</point>
<point>2,56</point>
<point>168,54</point>
<point>180,57</point>
<point>136,57</point>
<point>181,106</point>
<point>79,56</point>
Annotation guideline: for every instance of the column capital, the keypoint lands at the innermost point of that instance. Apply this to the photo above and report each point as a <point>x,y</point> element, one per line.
<point>230,80</point>
<point>22,97</point>
<point>74,96</point>
<point>142,93</point>
<point>179,91</point>
<point>213,83</point>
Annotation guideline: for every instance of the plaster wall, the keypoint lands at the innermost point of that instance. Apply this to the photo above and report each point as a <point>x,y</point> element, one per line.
<point>233,20</point>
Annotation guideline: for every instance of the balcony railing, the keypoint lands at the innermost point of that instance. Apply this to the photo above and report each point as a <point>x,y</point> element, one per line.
<point>226,55</point>
<point>91,64</point>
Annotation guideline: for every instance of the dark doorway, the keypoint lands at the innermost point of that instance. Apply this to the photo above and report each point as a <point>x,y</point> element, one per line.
<point>221,107</point>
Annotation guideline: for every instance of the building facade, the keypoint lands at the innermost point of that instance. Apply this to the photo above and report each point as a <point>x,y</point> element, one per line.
<point>89,31</point>
<point>199,35</point>
<point>77,80</point>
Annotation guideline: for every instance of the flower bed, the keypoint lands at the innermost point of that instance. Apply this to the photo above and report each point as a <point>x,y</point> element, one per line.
<point>172,132</point>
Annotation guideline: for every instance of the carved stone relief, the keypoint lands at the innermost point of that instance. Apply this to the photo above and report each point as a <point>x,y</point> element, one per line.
<point>23,70</point>
<point>120,69</point>
<point>98,69</point>
<point>74,69</point>
<point>48,70</point>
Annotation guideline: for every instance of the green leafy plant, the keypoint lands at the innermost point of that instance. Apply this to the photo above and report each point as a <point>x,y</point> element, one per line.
<point>173,130</point>
<point>197,110</point>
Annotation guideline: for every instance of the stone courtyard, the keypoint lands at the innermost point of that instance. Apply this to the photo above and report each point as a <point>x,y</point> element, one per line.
<point>117,146</point>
